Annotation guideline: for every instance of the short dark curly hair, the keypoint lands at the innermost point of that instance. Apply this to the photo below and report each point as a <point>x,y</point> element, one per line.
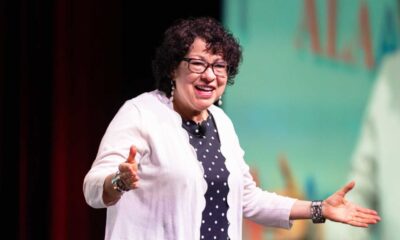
<point>180,36</point>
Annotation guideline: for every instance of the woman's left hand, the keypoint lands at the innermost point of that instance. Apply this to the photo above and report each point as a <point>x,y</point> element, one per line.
<point>337,208</point>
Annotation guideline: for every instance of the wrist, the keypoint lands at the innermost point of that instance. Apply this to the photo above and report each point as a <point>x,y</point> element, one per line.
<point>316,211</point>
<point>118,184</point>
<point>110,195</point>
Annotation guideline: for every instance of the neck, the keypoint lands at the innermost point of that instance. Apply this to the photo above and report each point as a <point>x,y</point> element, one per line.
<point>196,116</point>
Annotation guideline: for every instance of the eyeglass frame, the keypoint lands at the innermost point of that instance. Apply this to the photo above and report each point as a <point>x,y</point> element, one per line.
<point>207,65</point>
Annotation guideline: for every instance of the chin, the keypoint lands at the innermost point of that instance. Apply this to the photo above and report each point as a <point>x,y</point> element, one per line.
<point>204,105</point>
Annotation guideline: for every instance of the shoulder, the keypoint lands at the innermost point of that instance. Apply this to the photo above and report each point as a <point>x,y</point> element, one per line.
<point>218,113</point>
<point>221,118</point>
<point>145,104</point>
<point>148,100</point>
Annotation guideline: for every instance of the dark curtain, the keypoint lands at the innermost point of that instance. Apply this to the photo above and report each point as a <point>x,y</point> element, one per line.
<point>66,66</point>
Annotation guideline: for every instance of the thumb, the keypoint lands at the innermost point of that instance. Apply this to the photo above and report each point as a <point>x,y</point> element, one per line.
<point>347,188</point>
<point>132,154</point>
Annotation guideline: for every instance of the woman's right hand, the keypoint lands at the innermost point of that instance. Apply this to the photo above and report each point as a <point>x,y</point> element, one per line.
<point>128,170</point>
<point>128,175</point>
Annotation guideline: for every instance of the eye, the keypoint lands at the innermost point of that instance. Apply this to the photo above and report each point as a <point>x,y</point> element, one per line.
<point>220,65</point>
<point>198,62</point>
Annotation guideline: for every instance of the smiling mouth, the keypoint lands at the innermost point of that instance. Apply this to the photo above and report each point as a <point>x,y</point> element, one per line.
<point>205,88</point>
<point>204,92</point>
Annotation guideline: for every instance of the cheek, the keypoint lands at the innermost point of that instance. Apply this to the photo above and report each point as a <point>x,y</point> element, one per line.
<point>180,74</point>
<point>184,77</point>
<point>222,82</point>
<point>221,87</point>
<point>184,81</point>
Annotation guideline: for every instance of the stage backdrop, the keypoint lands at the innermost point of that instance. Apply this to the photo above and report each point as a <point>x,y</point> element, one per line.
<point>302,89</point>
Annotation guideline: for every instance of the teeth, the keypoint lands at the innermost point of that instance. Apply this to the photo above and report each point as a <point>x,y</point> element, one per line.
<point>205,88</point>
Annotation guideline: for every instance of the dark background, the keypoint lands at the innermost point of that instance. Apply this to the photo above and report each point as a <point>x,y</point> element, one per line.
<point>66,66</point>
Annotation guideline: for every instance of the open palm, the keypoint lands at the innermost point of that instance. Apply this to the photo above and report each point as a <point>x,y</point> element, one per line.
<point>337,208</point>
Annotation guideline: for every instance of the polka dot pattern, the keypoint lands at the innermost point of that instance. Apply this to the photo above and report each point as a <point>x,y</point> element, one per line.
<point>205,140</point>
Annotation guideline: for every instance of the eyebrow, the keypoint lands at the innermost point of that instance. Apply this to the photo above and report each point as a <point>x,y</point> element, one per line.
<point>203,59</point>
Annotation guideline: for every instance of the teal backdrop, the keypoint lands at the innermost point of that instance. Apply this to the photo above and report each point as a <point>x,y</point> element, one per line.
<point>305,79</point>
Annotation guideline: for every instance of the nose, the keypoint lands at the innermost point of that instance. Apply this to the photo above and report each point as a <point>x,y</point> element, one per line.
<point>209,74</point>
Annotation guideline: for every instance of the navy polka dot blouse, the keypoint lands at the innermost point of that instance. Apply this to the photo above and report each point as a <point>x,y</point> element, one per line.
<point>205,140</point>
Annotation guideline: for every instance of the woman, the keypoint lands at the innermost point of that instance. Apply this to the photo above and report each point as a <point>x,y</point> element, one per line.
<point>170,165</point>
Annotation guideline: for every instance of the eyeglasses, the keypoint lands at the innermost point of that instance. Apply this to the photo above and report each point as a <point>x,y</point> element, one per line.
<point>199,66</point>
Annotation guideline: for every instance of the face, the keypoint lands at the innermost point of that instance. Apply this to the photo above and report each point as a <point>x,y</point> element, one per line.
<point>195,92</point>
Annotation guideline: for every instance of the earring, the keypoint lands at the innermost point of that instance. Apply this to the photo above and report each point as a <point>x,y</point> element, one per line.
<point>172,91</point>
<point>219,101</point>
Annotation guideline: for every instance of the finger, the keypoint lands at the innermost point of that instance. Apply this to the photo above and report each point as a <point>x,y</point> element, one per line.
<point>369,219</point>
<point>128,170</point>
<point>126,175</point>
<point>357,223</point>
<point>362,220</point>
<point>132,183</point>
<point>369,216</point>
<point>130,177</point>
<point>125,168</point>
<point>343,191</point>
<point>132,154</point>
<point>366,211</point>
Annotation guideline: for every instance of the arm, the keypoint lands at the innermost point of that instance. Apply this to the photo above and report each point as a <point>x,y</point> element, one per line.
<point>114,150</point>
